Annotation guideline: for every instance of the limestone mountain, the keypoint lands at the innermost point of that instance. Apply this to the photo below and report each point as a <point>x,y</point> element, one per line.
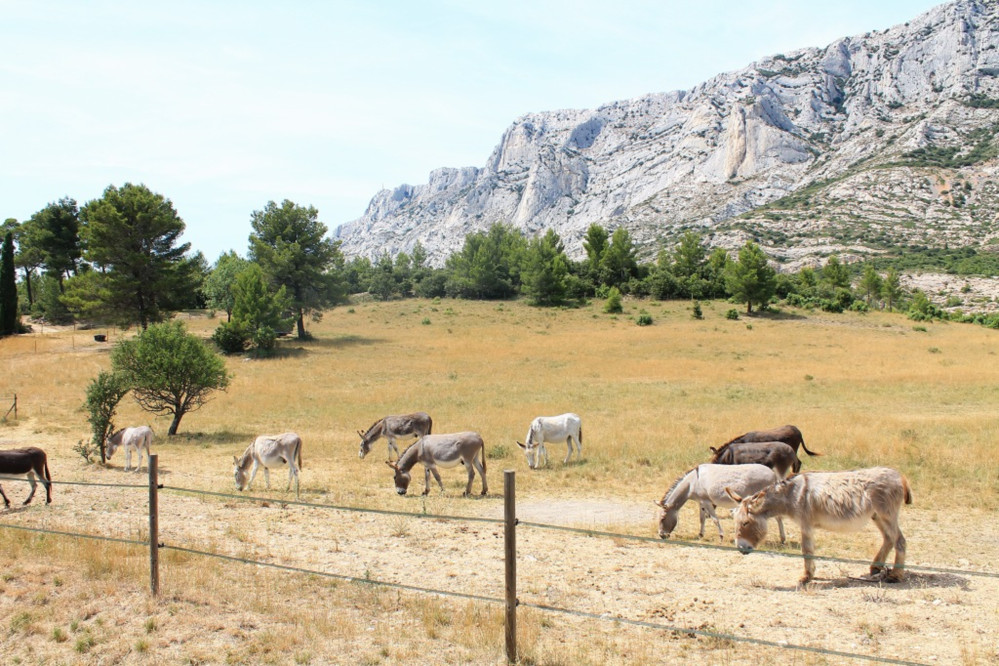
<point>876,141</point>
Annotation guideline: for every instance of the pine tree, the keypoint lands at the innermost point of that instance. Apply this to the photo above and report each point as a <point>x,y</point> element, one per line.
<point>9,316</point>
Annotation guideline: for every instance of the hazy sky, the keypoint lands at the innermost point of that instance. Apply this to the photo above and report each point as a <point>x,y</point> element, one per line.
<point>224,106</point>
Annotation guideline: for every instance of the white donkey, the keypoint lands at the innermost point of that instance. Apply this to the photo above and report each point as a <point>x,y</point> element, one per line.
<point>709,485</point>
<point>269,451</point>
<point>563,428</point>
<point>139,438</point>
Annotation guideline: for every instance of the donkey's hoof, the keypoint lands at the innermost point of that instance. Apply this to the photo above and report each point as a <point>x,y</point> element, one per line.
<point>895,576</point>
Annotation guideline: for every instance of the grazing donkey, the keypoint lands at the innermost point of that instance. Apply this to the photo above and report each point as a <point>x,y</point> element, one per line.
<point>269,451</point>
<point>138,438</point>
<point>29,463</point>
<point>839,501</point>
<point>706,484</point>
<point>563,428</point>
<point>778,456</point>
<point>449,450</point>
<point>416,425</point>
<point>788,434</point>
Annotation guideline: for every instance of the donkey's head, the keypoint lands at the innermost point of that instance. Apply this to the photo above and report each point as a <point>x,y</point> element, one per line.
<point>239,474</point>
<point>668,518</point>
<point>402,478</point>
<point>112,443</point>
<point>531,452</point>
<point>750,525</point>
<point>365,445</point>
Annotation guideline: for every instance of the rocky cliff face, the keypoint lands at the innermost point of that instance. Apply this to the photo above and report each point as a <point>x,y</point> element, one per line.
<point>877,140</point>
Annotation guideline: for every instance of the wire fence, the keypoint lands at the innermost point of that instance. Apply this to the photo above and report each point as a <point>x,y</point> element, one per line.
<point>12,408</point>
<point>510,520</point>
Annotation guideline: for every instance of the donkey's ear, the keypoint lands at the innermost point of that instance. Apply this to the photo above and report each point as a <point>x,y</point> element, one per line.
<point>360,434</point>
<point>392,465</point>
<point>712,449</point>
<point>732,494</point>
<point>661,504</point>
<point>520,445</point>
<point>235,461</point>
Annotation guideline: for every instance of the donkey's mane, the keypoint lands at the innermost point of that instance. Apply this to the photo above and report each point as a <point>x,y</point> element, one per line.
<point>373,426</point>
<point>677,482</point>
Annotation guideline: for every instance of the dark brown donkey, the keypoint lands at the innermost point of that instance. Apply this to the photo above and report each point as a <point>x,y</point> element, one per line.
<point>778,456</point>
<point>29,462</point>
<point>788,434</point>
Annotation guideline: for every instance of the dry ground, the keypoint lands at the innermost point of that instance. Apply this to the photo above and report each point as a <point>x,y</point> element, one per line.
<point>652,399</point>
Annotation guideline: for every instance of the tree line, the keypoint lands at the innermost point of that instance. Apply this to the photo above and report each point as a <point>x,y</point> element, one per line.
<point>118,259</point>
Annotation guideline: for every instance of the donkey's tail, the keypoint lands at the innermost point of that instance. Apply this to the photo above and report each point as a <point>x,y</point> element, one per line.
<point>430,424</point>
<point>298,453</point>
<point>908,492</point>
<point>805,449</point>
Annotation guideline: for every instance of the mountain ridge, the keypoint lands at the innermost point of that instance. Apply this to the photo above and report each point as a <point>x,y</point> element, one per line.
<point>809,153</point>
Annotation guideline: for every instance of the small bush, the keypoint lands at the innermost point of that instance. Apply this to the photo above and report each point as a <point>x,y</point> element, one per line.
<point>230,338</point>
<point>644,319</point>
<point>613,305</point>
<point>696,312</point>
<point>732,314</point>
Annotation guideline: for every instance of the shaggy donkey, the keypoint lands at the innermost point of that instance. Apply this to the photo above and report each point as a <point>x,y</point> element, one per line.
<point>839,501</point>
<point>29,463</point>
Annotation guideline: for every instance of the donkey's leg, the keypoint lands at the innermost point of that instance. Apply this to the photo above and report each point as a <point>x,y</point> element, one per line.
<point>542,451</point>
<point>267,476</point>
<point>807,551</point>
<point>568,449</point>
<point>470,467</point>
<point>128,457</point>
<point>892,536</point>
<point>253,473</point>
<point>6,502</point>
<point>710,509</point>
<point>482,474</point>
<point>392,446</point>
<point>780,526</point>
<point>31,478</point>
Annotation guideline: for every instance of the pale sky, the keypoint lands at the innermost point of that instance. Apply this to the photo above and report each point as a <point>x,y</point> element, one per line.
<point>224,106</point>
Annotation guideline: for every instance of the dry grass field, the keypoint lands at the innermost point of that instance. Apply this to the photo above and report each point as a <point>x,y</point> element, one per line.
<point>865,390</point>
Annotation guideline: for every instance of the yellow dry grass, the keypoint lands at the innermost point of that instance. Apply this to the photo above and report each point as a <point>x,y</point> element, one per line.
<point>864,389</point>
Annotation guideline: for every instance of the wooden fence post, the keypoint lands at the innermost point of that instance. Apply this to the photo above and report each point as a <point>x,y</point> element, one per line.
<point>154,525</point>
<point>510,558</point>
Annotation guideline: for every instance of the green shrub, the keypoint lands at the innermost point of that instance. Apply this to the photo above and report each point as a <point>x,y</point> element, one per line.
<point>696,311</point>
<point>644,319</point>
<point>613,305</point>
<point>732,314</point>
<point>230,338</point>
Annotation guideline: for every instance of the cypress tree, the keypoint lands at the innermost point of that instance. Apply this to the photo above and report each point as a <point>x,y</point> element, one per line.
<point>8,288</point>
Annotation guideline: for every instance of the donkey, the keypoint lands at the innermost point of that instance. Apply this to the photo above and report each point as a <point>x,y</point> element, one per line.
<point>778,456</point>
<point>269,451</point>
<point>839,501</point>
<point>416,425</point>
<point>706,484</point>
<point>563,428</point>
<point>449,450</point>
<point>138,438</point>
<point>29,463</point>
<point>788,434</point>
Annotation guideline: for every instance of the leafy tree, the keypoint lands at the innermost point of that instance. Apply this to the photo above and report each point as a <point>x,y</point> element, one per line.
<point>381,282</point>
<point>488,265</point>
<point>104,393</point>
<point>57,236</point>
<point>546,270</point>
<point>28,256</point>
<point>9,315</point>
<point>258,312</point>
<point>618,264</point>
<point>218,285</point>
<point>751,279</point>
<point>595,243</point>
<point>131,234</point>
<point>870,284</point>
<point>891,288</point>
<point>835,274</point>
<point>169,370</point>
<point>289,242</point>
<point>613,304</point>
